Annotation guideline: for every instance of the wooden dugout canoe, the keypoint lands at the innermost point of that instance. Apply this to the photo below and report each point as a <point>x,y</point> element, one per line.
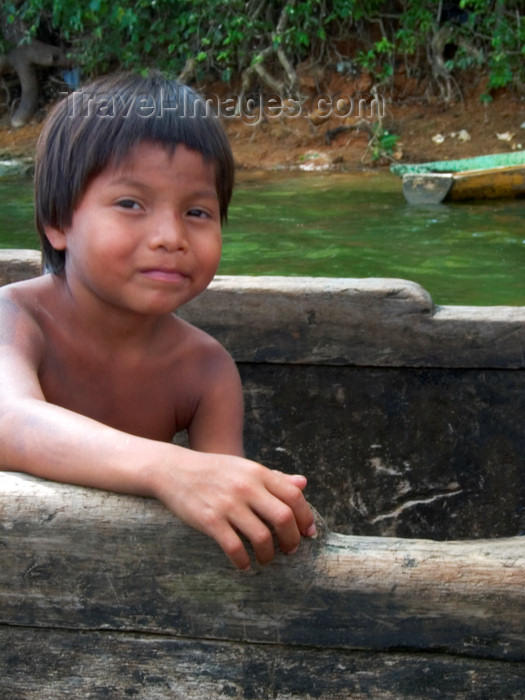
<point>106,593</point>
<point>407,420</point>
<point>485,177</point>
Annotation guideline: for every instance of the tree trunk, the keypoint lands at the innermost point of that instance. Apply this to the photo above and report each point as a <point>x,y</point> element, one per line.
<point>22,60</point>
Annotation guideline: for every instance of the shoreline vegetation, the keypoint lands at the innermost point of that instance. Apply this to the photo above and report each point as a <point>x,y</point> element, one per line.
<point>449,76</point>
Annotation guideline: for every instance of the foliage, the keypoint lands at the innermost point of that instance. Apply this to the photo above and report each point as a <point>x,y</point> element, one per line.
<point>225,40</point>
<point>500,35</point>
<point>221,37</point>
<point>383,143</point>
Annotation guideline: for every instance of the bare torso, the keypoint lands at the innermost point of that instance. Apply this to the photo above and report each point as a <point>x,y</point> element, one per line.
<point>81,391</point>
<point>150,390</point>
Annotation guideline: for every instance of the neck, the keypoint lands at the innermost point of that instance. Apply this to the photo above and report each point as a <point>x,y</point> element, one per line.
<point>106,325</point>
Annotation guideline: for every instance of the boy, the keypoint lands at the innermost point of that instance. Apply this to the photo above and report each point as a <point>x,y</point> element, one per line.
<point>132,183</point>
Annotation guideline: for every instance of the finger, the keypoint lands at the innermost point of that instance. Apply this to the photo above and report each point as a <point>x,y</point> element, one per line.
<point>280,519</point>
<point>297,479</point>
<point>292,496</point>
<point>255,529</point>
<point>231,544</point>
<point>287,530</point>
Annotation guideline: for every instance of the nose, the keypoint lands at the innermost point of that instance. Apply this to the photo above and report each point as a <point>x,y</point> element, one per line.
<point>169,232</point>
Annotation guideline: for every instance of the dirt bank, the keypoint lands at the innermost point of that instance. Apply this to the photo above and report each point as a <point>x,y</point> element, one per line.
<point>427,130</point>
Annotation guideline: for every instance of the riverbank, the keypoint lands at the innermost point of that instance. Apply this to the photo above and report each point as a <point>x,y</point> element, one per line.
<point>426,129</point>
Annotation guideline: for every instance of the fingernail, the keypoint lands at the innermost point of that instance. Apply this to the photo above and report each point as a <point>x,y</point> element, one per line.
<point>311,531</point>
<point>294,550</point>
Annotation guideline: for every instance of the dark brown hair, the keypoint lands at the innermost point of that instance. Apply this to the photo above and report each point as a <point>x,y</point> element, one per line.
<point>98,126</point>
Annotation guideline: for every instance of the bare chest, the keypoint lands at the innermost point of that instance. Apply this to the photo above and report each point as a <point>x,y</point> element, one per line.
<point>142,398</point>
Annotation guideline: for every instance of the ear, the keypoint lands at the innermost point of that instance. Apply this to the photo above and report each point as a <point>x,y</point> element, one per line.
<point>56,237</point>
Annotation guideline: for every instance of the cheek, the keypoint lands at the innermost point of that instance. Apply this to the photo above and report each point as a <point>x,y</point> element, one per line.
<point>99,241</point>
<point>217,256</point>
<point>210,253</point>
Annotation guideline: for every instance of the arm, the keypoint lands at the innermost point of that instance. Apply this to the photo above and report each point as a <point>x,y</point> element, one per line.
<point>217,494</point>
<point>252,495</point>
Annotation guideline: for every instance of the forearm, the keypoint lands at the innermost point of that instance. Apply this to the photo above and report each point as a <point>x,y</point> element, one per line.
<point>220,495</point>
<point>54,443</point>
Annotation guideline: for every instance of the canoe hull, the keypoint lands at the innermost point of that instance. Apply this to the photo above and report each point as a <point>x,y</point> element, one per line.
<point>489,162</point>
<point>433,188</point>
<point>426,188</point>
<point>489,184</point>
<point>406,418</point>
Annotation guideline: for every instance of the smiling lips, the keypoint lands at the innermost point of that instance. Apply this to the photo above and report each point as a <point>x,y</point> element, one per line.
<point>163,275</point>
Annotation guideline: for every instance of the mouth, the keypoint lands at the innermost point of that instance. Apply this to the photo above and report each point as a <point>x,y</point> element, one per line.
<point>165,275</point>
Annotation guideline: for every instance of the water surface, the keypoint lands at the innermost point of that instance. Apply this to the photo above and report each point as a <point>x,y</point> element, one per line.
<point>360,226</point>
<point>350,225</point>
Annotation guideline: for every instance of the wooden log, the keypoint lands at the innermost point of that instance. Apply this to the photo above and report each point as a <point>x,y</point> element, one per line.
<point>17,265</point>
<point>88,560</point>
<point>63,664</point>
<point>359,322</point>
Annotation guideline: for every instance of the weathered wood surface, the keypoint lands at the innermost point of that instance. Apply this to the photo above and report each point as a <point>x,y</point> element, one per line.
<point>16,265</point>
<point>489,184</point>
<point>362,322</point>
<point>309,320</point>
<point>89,560</point>
<point>42,664</point>
<point>428,451</point>
<point>109,596</point>
<point>413,453</point>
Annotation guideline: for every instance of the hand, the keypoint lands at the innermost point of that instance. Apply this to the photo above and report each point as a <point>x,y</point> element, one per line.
<point>225,496</point>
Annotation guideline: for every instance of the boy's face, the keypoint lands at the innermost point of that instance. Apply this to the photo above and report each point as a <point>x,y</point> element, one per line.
<point>146,236</point>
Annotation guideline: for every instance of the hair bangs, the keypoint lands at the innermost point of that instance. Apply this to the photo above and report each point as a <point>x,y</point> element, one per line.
<point>99,125</point>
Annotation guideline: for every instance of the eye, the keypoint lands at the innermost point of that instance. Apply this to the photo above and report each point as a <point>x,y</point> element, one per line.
<point>128,204</point>
<point>200,213</point>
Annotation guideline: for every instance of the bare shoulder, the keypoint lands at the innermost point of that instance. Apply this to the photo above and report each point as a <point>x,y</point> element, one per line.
<point>211,382</point>
<point>200,350</point>
<point>20,308</point>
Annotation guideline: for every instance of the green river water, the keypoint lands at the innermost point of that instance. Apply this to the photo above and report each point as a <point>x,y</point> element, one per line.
<point>350,225</point>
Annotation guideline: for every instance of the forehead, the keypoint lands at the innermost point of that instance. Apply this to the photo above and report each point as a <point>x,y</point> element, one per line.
<point>178,155</point>
<point>149,159</point>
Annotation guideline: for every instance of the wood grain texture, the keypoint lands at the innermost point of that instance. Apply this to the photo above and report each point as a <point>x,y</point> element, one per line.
<point>85,559</point>
<point>392,452</point>
<point>363,322</point>
<point>104,595</point>
<point>37,664</point>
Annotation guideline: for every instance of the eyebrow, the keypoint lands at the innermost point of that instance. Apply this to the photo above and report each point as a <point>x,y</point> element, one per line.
<point>126,180</point>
